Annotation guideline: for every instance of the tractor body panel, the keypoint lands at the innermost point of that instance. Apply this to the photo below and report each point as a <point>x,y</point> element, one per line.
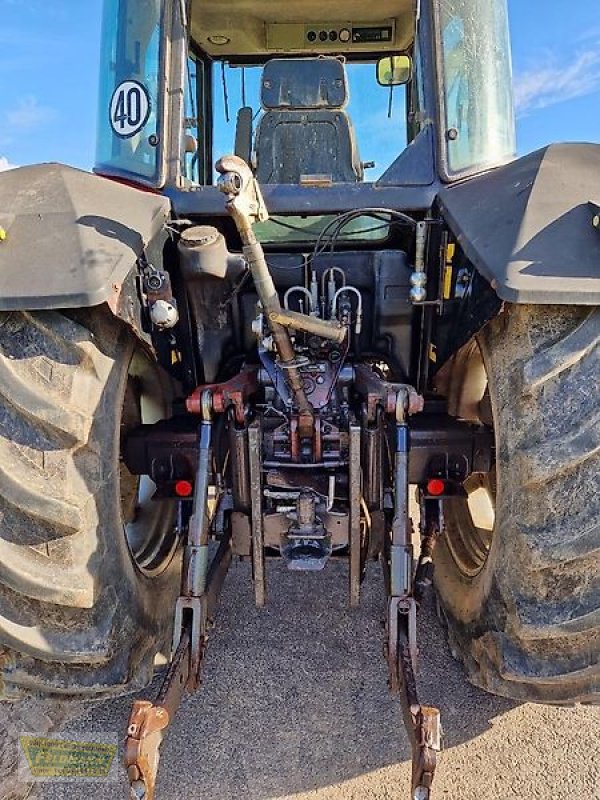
<point>528,226</point>
<point>72,238</point>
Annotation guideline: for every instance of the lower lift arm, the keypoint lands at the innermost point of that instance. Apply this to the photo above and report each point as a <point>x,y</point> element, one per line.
<point>201,586</point>
<point>404,596</point>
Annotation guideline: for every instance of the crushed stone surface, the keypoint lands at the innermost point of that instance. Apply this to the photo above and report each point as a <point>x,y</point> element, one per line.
<point>295,706</point>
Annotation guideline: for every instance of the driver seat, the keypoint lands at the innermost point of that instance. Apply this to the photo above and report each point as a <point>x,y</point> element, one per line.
<point>305,133</point>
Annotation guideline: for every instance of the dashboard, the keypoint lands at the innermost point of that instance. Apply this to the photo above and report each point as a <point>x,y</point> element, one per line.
<point>290,37</point>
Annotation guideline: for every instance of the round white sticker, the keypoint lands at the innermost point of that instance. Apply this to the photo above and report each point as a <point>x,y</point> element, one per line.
<point>129,109</point>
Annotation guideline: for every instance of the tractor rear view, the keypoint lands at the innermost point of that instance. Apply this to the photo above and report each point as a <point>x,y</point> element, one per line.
<point>308,278</point>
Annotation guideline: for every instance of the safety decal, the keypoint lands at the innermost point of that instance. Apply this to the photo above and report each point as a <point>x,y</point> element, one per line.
<point>129,109</point>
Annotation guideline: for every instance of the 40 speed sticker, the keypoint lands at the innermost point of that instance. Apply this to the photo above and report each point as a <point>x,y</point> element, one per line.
<point>129,109</point>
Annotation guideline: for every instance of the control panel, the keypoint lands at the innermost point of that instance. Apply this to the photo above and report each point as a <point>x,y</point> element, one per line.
<point>289,37</point>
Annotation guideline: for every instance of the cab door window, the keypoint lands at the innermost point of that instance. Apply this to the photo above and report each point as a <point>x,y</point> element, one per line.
<point>130,97</point>
<point>476,72</point>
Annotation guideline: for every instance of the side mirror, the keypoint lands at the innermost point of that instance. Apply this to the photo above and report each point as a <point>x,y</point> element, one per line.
<point>394,70</point>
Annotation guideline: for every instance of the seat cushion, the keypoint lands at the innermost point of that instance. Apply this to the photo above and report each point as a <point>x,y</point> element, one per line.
<point>290,144</point>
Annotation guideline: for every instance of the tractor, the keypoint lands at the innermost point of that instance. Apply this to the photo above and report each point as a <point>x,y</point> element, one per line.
<point>307,279</point>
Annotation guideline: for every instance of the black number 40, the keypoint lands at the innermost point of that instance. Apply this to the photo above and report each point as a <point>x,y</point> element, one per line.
<point>130,109</point>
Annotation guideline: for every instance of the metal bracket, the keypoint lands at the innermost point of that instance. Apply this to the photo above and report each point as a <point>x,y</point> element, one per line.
<point>235,392</point>
<point>379,393</point>
<point>144,736</point>
<point>191,615</point>
<point>422,723</point>
<point>148,722</point>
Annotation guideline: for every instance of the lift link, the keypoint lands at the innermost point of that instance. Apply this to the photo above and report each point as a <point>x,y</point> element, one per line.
<point>246,206</point>
<point>422,722</point>
<point>200,588</point>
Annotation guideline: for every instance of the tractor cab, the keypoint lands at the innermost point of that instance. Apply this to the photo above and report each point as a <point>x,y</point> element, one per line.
<point>312,95</point>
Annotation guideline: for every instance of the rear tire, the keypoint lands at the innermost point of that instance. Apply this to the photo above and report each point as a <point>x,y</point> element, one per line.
<point>522,606</point>
<point>78,613</point>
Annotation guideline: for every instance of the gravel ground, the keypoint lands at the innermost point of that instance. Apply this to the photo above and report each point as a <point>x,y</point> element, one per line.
<point>295,706</point>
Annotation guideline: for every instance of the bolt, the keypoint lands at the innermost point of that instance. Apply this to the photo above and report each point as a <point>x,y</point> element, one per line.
<point>418,279</point>
<point>418,294</point>
<point>154,282</point>
<point>138,790</point>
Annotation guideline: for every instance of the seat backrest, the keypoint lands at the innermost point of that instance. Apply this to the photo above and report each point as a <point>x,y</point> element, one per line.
<point>305,131</point>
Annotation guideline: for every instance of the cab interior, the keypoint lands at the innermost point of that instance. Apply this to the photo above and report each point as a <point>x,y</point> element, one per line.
<point>293,89</point>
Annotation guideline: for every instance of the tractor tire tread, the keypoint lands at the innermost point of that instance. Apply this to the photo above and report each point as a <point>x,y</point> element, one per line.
<point>537,633</point>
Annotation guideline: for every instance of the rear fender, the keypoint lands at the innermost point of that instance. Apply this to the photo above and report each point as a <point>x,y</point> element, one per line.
<point>528,227</point>
<point>73,240</point>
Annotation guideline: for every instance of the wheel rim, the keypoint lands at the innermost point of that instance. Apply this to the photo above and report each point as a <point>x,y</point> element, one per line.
<point>470,538</point>
<point>148,524</point>
<point>473,518</point>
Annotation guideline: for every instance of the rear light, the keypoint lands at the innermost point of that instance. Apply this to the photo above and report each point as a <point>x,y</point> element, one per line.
<point>436,487</point>
<point>184,489</point>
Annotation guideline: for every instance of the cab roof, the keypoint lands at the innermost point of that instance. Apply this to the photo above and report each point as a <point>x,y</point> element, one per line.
<point>247,28</point>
